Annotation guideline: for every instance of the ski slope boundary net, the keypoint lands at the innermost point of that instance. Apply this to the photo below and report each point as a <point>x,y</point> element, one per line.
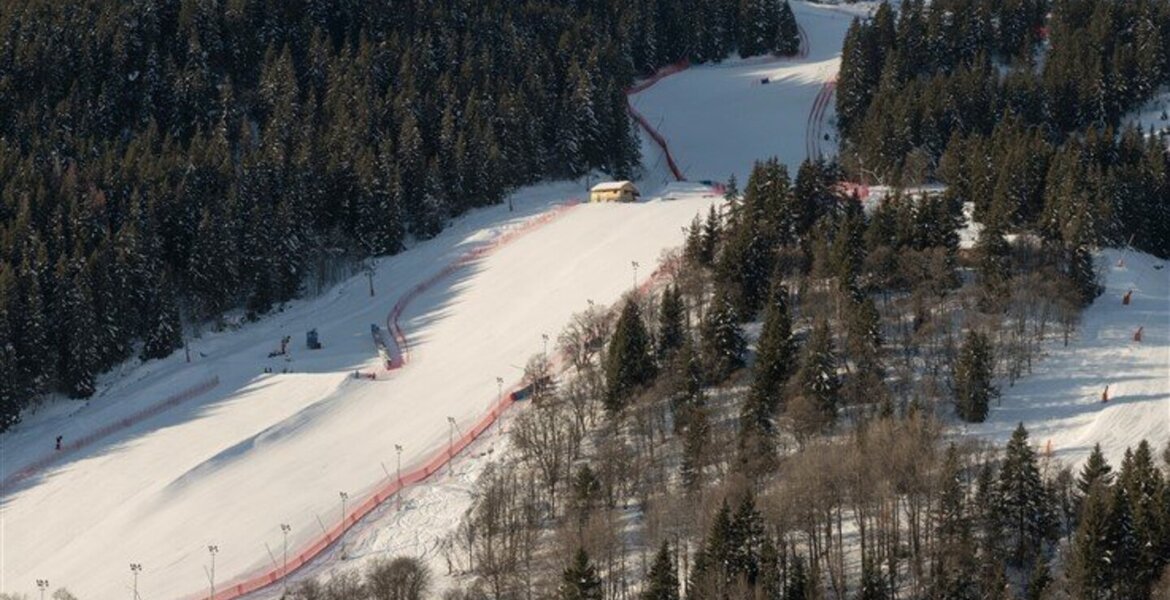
<point>85,441</point>
<point>259,580</point>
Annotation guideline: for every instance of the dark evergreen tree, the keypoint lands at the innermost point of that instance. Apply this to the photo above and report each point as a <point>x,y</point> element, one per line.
<point>629,360</point>
<point>951,572</point>
<point>788,36</point>
<point>671,323</point>
<point>709,241</point>
<point>776,352</point>
<point>580,581</point>
<point>662,580</point>
<point>1095,470</point>
<point>973,387</point>
<point>1089,558</point>
<point>165,334</point>
<point>723,342</point>
<point>798,586</point>
<point>1023,504</point>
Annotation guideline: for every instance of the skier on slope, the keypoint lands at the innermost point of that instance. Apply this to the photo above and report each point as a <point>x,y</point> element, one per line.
<point>1105,395</point>
<point>59,441</point>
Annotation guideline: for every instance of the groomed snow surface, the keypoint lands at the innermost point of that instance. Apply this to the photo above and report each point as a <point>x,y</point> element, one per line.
<point>719,118</point>
<point>1060,402</point>
<point>226,468</point>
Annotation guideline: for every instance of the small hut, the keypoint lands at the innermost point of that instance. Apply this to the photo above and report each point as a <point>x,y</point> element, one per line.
<point>614,191</point>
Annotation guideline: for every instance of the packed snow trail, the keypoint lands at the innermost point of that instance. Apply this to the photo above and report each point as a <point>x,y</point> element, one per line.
<point>720,118</point>
<point>263,449</point>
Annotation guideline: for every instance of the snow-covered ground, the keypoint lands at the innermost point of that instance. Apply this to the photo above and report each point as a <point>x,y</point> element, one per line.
<point>1154,114</point>
<point>719,118</point>
<point>228,467</point>
<point>1060,402</point>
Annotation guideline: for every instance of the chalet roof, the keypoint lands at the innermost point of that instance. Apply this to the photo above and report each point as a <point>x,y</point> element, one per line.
<point>615,186</point>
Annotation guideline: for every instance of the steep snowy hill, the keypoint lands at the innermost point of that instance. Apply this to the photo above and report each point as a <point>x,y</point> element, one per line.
<point>227,467</point>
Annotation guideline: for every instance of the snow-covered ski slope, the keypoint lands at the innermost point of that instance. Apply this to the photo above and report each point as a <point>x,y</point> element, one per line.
<point>228,466</point>
<point>719,118</point>
<point>1060,402</point>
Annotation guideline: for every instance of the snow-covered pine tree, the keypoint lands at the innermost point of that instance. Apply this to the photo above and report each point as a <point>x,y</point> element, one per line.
<point>1023,503</point>
<point>696,442</point>
<point>723,341</point>
<point>77,360</point>
<point>165,334</point>
<point>788,35</point>
<point>11,400</point>
<point>818,378</point>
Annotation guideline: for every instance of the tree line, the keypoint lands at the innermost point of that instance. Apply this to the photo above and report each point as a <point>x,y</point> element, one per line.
<point>1018,106</point>
<point>165,161</point>
<point>681,456</point>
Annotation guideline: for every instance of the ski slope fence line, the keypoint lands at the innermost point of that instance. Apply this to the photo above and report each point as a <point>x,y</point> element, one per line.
<point>659,75</point>
<point>658,139</point>
<point>392,325</point>
<point>256,581</point>
<point>72,446</point>
<point>269,577</point>
<point>672,69</point>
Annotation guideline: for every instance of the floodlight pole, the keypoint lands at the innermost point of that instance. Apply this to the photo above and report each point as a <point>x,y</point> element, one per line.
<point>285,529</point>
<point>212,550</point>
<point>398,495</point>
<point>344,497</point>
<point>135,568</point>
<point>42,585</point>
<point>450,444</point>
<point>634,264</point>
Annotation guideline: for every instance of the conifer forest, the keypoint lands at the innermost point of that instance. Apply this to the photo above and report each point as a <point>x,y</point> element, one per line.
<point>824,389</point>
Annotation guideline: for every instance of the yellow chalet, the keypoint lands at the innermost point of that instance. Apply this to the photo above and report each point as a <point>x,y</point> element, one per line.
<point>614,191</point>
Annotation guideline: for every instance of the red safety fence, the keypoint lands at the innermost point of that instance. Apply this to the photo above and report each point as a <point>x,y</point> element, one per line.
<point>76,444</point>
<point>661,74</point>
<point>661,141</point>
<point>672,69</point>
<point>849,188</point>
<point>401,356</point>
<point>265,577</point>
